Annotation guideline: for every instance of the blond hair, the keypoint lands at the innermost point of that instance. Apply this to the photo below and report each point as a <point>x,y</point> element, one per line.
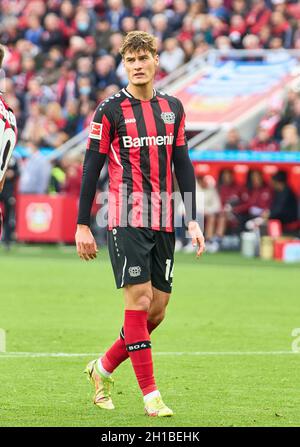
<point>136,41</point>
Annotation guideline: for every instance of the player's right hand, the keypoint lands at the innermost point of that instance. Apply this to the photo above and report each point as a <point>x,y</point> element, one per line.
<point>85,243</point>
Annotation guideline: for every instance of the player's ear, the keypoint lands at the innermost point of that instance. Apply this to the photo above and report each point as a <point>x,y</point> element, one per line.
<point>156,60</point>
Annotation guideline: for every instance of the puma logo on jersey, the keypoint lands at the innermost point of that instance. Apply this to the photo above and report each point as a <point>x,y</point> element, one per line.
<point>130,121</point>
<point>128,141</point>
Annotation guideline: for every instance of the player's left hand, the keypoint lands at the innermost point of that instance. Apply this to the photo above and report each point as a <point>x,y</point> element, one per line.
<point>85,243</point>
<point>197,237</point>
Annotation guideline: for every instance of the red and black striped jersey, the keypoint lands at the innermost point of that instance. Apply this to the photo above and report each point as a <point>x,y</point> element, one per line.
<point>8,135</point>
<point>139,138</point>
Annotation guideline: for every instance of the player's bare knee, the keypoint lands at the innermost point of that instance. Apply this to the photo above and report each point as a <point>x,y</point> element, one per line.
<point>139,297</point>
<point>144,303</point>
<point>146,298</point>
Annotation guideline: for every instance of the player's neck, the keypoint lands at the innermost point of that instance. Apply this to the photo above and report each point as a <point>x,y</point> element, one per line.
<point>141,92</point>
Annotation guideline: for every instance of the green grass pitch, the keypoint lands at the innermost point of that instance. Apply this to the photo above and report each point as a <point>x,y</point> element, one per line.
<point>52,302</point>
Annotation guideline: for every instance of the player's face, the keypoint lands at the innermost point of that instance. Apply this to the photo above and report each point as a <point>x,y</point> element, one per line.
<point>140,67</point>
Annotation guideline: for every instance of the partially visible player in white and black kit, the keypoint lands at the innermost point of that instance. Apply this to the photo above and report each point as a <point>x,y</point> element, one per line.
<point>8,135</point>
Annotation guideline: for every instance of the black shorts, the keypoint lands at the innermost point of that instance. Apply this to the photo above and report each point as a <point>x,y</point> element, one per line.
<point>139,255</point>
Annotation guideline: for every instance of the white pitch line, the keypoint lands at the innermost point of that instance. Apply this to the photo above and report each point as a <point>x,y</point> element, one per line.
<point>93,354</point>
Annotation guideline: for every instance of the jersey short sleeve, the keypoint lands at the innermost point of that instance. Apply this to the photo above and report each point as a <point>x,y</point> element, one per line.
<point>8,136</point>
<point>181,140</point>
<point>101,130</point>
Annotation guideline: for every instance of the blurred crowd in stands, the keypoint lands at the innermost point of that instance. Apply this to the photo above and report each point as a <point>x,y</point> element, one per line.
<point>230,207</point>
<point>62,55</point>
<point>278,129</point>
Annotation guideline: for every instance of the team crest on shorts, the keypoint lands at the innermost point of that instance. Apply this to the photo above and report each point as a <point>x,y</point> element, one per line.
<point>168,117</point>
<point>96,130</point>
<point>134,271</point>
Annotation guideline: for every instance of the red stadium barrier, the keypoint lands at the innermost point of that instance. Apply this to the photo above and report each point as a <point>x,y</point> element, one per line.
<point>46,218</point>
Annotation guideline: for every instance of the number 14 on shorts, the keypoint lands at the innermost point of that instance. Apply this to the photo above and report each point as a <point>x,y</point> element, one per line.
<point>169,272</point>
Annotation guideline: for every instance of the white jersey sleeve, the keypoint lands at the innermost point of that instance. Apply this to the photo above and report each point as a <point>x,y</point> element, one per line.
<point>8,135</point>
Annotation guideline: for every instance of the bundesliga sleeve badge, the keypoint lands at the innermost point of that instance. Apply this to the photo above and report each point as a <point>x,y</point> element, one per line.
<point>95,130</point>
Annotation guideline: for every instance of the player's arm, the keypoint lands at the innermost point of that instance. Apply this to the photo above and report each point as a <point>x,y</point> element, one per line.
<point>2,182</point>
<point>185,176</point>
<point>97,148</point>
<point>8,137</point>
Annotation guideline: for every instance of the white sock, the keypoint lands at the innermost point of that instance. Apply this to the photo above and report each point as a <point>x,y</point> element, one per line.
<point>149,396</point>
<point>101,369</point>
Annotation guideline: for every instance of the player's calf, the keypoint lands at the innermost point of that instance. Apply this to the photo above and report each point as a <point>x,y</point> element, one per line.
<point>155,319</point>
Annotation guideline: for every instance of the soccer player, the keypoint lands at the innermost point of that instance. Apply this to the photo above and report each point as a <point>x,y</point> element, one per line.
<point>141,131</point>
<point>8,136</point>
